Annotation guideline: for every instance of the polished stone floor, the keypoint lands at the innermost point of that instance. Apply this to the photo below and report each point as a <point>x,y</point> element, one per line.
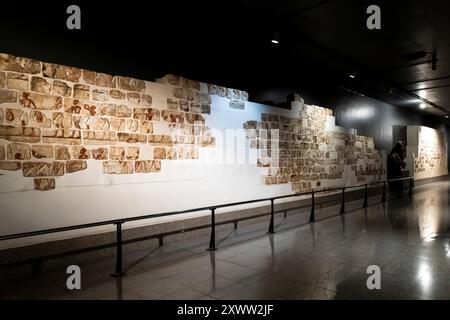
<point>408,238</point>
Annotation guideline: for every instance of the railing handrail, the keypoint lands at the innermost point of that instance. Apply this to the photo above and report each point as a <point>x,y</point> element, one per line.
<point>170,213</point>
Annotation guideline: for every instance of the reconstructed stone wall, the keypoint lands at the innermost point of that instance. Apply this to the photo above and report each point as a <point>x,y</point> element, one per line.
<point>54,118</point>
<point>429,147</point>
<point>301,151</point>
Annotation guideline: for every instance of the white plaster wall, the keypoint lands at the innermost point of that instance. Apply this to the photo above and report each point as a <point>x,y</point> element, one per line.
<point>90,196</point>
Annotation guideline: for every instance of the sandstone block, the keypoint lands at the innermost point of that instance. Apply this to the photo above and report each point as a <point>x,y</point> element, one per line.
<point>10,166</point>
<point>100,154</point>
<point>117,153</point>
<point>81,92</point>
<point>17,81</point>
<point>83,122</point>
<point>42,169</point>
<point>205,98</point>
<point>101,124</point>
<point>21,134</point>
<point>159,153</point>
<point>105,80</point>
<point>80,107</point>
<point>2,79</point>
<point>206,108</point>
<point>61,88</point>
<point>194,118</point>
<point>145,127</point>
<point>40,101</point>
<point>236,104</point>
<point>134,97</point>
<point>60,72</point>
<point>146,100</point>
<point>173,116</point>
<point>172,104</point>
<point>184,105</point>
<point>75,165</point>
<point>62,120</point>
<point>99,137</point>
<point>100,95</point>
<point>18,151</point>
<point>44,184</point>
<point>88,77</point>
<point>80,153</point>
<point>40,85</point>
<point>132,125</point>
<point>164,140</point>
<point>131,137</point>
<point>185,94</point>
<point>62,136</point>
<point>192,107</point>
<point>7,96</point>
<point>131,84</point>
<point>146,166</point>
<point>16,117</point>
<point>150,114</point>
<point>118,167</point>
<point>11,63</point>
<point>2,152</point>
<point>62,153</point>
<point>171,153</point>
<point>120,111</point>
<point>42,151</point>
<point>133,153</point>
<point>117,94</point>
<point>117,124</point>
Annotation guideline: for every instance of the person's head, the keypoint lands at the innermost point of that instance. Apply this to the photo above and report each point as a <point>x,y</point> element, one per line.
<point>400,149</point>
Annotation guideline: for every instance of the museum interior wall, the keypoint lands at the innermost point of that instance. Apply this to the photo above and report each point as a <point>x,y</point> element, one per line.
<point>79,146</point>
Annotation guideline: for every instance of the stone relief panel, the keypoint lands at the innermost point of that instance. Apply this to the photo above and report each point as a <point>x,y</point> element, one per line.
<point>54,119</point>
<point>302,152</point>
<point>431,153</point>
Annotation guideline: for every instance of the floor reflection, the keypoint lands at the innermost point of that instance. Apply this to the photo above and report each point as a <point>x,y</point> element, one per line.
<point>407,237</point>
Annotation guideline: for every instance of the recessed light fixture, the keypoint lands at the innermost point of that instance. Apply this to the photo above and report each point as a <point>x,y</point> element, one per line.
<point>275,38</point>
<point>422,105</point>
<point>353,75</point>
<point>446,116</point>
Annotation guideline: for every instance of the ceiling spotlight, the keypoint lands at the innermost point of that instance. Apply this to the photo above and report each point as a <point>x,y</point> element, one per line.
<point>446,116</point>
<point>353,75</point>
<point>276,38</point>
<point>422,106</point>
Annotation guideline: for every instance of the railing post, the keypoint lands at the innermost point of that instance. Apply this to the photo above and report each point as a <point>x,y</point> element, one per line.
<point>411,185</point>
<point>312,217</point>
<point>383,197</point>
<point>343,201</point>
<point>272,213</point>
<point>365,197</point>
<point>119,259</point>
<point>212,241</point>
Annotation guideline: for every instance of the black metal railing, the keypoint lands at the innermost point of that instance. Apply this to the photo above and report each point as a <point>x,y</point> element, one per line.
<point>212,243</point>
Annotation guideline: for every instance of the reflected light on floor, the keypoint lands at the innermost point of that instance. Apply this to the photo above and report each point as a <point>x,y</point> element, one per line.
<point>425,277</point>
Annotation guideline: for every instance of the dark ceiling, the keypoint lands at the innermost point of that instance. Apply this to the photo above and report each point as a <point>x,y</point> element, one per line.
<point>228,42</point>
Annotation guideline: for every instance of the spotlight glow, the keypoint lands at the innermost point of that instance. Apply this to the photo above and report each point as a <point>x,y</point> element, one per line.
<point>422,106</point>
<point>275,41</point>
